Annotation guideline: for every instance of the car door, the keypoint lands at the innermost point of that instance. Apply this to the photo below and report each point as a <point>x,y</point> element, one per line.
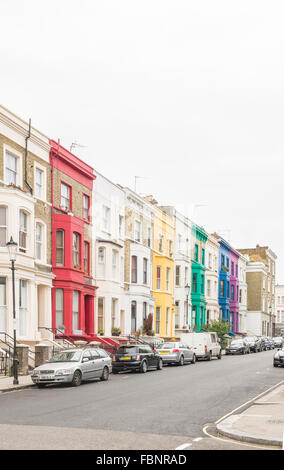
<point>86,365</point>
<point>151,357</point>
<point>185,351</point>
<point>97,362</point>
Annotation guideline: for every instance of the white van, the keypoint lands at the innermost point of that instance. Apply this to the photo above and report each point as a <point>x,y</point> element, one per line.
<point>204,345</point>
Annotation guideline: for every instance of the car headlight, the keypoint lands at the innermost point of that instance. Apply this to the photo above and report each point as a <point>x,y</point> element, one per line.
<point>64,372</point>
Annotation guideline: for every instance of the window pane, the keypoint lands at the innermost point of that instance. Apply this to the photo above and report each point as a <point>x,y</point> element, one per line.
<point>10,169</point>
<point>75,310</point>
<point>60,247</point>
<point>3,226</point>
<point>59,308</point>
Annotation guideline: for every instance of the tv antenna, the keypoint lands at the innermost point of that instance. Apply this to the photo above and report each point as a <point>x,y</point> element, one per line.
<point>75,144</point>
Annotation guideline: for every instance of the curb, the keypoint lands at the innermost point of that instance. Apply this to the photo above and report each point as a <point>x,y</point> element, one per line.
<point>226,429</point>
<point>17,387</point>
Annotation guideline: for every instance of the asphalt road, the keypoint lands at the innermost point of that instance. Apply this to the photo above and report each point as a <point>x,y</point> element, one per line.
<point>158,410</point>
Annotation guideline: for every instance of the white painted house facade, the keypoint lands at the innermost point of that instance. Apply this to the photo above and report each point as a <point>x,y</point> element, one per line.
<point>109,239</point>
<point>139,299</point>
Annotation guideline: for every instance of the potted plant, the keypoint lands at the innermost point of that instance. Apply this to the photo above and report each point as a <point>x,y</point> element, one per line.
<point>115,331</point>
<point>100,332</point>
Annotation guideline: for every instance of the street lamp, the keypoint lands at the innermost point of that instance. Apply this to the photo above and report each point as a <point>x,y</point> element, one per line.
<point>12,249</point>
<point>187,292</point>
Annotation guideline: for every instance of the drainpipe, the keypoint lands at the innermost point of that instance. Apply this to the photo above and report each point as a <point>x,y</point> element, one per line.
<point>26,158</point>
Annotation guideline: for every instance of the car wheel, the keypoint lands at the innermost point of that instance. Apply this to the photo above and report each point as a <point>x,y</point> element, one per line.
<point>275,365</point>
<point>105,374</point>
<point>181,361</point>
<point>193,359</point>
<point>209,357</point>
<point>220,354</point>
<point>77,378</point>
<point>144,367</point>
<point>160,364</point>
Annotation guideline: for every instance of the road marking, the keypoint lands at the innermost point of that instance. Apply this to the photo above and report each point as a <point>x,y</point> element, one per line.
<point>198,439</point>
<point>183,446</point>
<point>234,441</point>
<point>250,401</point>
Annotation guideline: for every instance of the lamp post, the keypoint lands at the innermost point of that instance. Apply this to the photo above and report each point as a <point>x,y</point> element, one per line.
<point>12,249</point>
<point>187,291</point>
<point>270,321</point>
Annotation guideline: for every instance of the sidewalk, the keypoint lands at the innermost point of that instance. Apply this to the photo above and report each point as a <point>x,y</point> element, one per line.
<point>6,383</point>
<point>261,423</point>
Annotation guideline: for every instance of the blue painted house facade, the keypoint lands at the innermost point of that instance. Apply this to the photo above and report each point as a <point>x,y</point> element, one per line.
<point>224,293</point>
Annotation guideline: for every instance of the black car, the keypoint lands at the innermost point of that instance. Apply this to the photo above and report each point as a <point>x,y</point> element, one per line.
<point>278,359</point>
<point>237,346</point>
<point>254,343</point>
<point>136,357</point>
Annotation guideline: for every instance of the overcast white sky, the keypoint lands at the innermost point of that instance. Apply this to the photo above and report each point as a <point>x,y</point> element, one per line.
<point>186,93</point>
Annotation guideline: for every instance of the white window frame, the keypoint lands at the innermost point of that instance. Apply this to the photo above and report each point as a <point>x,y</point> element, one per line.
<point>114,264</point>
<point>101,261</point>
<point>23,249</point>
<point>43,241</point>
<point>138,232</point>
<point>5,227</point>
<point>19,158</point>
<point>42,169</point>
<point>106,219</point>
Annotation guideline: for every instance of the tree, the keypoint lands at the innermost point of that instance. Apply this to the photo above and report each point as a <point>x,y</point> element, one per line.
<point>148,324</point>
<point>222,328</point>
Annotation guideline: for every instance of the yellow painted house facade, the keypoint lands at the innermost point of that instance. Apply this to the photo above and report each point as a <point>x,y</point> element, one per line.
<point>163,273</point>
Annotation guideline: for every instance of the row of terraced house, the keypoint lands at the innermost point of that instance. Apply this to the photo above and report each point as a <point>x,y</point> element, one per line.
<point>96,259</point>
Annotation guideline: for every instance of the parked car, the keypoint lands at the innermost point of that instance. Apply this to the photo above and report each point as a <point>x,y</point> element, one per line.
<point>262,343</point>
<point>237,346</point>
<point>176,353</point>
<point>74,366</point>
<point>254,343</point>
<point>140,357</point>
<point>278,342</point>
<point>269,343</point>
<point>278,359</point>
<point>204,345</point>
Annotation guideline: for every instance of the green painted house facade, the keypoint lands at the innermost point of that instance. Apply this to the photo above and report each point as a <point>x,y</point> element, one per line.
<point>198,303</point>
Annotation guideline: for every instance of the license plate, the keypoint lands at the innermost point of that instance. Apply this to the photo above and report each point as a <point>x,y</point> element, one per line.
<point>126,358</point>
<point>164,352</point>
<point>46,377</point>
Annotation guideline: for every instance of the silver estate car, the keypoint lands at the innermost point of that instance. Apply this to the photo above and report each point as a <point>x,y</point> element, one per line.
<point>74,366</point>
<point>176,353</point>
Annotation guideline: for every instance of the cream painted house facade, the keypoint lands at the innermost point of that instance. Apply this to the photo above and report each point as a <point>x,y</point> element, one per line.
<point>25,215</point>
<point>242,263</point>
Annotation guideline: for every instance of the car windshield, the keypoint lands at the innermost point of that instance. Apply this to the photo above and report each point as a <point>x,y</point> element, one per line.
<point>128,350</point>
<point>66,356</point>
<point>166,346</point>
<point>236,343</point>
